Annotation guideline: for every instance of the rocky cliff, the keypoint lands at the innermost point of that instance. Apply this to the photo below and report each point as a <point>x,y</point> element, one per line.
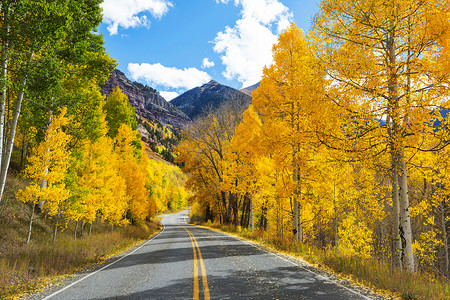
<point>147,102</point>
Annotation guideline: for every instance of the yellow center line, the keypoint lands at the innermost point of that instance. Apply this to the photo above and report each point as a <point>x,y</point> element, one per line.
<point>195,296</point>
<point>196,289</point>
<point>202,267</point>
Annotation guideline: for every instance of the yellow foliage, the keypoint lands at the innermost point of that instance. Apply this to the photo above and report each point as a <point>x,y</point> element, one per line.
<point>47,168</point>
<point>355,238</point>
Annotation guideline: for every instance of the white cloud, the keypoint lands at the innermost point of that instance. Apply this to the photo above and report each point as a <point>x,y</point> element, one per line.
<point>247,46</point>
<point>157,74</point>
<point>169,95</point>
<point>125,13</point>
<point>207,64</point>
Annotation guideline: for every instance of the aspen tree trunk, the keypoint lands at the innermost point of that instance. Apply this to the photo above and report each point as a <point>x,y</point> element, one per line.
<point>397,255</point>
<point>444,238</point>
<point>296,221</point>
<point>4,83</point>
<point>396,242</point>
<point>90,228</point>
<point>405,218</point>
<point>76,229</point>
<point>299,223</point>
<point>395,137</point>
<point>244,213</point>
<point>252,219</point>
<point>55,230</point>
<point>6,157</point>
<point>278,221</point>
<point>282,222</point>
<point>336,237</point>
<point>44,184</point>
<point>31,223</point>
<point>82,228</point>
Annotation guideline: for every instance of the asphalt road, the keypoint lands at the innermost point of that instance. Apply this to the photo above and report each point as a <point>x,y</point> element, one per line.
<point>190,262</point>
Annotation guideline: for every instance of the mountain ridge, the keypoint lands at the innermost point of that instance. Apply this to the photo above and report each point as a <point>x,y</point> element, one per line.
<point>248,90</point>
<point>146,100</point>
<point>210,95</point>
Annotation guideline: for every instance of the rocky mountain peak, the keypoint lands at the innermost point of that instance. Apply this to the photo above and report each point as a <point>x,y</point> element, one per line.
<point>146,100</point>
<point>212,94</point>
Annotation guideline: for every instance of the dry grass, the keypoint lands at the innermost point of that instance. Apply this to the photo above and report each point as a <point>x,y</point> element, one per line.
<point>30,266</point>
<point>376,274</point>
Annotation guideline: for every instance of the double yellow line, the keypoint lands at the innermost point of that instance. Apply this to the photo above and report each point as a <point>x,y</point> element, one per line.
<point>195,249</point>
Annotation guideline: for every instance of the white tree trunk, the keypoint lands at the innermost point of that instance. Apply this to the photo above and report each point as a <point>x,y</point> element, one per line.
<point>395,224</point>
<point>397,245</point>
<point>296,208</point>
<point>444,238</point>
<point>405,218</point>
<point>336,235</point>
<point>252,219</point>
<point>4,83</point>
<point>6,158</point>
<point>31,223</point>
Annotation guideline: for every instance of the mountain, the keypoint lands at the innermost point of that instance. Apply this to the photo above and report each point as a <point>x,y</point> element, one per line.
<point>248,90</point>
<point>212,94</point>
<point>159,121</point>
<point>147,102</point>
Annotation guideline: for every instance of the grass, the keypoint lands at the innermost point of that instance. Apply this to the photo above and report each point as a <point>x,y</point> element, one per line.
<point>375,274</point>
<point>29,267</point>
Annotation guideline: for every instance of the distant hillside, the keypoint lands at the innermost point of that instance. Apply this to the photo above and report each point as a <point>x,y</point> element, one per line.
<point>148,103</point>
<point>248,90</point>
<point>159,121</point>
<point>194,102</point>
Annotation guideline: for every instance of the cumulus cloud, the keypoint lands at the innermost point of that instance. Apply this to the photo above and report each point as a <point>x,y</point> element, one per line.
<point>157,74</point>
<point>207,64</point>
<point>125,13</point>
<point>169,95</point>
<point>247,46</point>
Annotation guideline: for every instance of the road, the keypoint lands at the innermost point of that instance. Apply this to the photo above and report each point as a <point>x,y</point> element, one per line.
<point>190,262</point>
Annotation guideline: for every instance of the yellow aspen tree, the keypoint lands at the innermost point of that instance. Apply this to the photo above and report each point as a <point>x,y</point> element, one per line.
<point>100,189</point>
<point>288,99</point>
<point>242,154</point>
<point>47,169</point>
<point>384,60</point>
<point>430,207</point>
<point>132,169</point>
<point>156,180</point>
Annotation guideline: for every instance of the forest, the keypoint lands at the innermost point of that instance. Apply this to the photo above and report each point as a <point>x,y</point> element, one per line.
<point>81,153</point>
<point>70,158</point>
<point>344,146</point>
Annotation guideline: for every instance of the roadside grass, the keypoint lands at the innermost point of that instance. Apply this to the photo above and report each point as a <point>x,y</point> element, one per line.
<point>29,267</point>
<point>378,275</point>
<point>32,266</point>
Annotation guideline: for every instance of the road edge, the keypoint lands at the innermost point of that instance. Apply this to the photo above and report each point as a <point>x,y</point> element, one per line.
<point>350,283</point>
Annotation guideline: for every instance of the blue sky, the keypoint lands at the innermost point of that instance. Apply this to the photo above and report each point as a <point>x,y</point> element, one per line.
<point>176,45</point>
